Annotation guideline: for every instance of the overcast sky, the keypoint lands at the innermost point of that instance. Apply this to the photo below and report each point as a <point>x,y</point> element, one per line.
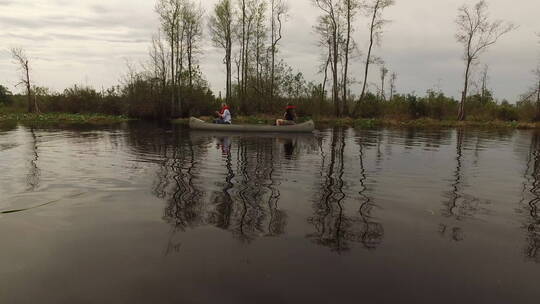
<point>88,41</point>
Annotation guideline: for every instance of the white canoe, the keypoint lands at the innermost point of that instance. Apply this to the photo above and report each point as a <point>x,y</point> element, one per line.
<point>197,124</point>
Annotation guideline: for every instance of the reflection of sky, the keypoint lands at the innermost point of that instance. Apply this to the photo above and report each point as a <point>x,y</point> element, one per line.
<point>121,225</point>
<point>87,42</point>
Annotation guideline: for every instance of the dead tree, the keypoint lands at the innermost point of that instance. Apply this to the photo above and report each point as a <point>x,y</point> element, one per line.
<point>374,8</point>
<point>158,60</point>
<point>393,79</point>
<point>278,11</point>
<point>484,78</point>
<point>192,22</point>
<point>331,19</point>
<point>350,8</point>
<point>325,42</point>
<point>21,59</point>
<point>384,72</point>
<point>221,30</point>
<point>537,72</point>
<point>476,33</point>
<point>169,12</point>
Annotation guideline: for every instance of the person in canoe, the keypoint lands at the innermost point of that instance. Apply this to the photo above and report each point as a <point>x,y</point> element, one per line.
<point>289,118</point>
<point>224,115</point>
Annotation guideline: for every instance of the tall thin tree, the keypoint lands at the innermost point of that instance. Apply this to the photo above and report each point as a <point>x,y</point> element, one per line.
<point>476,33</point>
<point>278,11</point>
<point>192,19</point>
<point>350,8</point>
<point>21,59</point>
<point>384,72</point>
<point>169,12</point>
<point>393,80</point>
<point>221,26</point>
<point>332,19</point>
<point>374,9</point>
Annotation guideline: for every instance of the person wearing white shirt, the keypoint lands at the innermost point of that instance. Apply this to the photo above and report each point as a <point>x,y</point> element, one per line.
<point>224,116</point>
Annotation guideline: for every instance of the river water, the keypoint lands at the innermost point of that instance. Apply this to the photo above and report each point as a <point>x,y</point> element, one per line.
<point>150,213</point>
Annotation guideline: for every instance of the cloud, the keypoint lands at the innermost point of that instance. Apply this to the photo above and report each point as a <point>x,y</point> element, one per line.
<point>76,41</point>
<point>99,9</point>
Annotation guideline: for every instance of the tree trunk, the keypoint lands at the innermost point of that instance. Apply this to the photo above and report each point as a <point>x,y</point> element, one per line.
<point>368,58</point>
<point>180,71</point>
<point>538,92</point>
<point>538,101</point>
<point>335,94</point>
<point>461,113</point>
<point>243,51</point>
<point>383,96</point>
<point>347,45</point>
<point>273,38</point>
<point>173,72</point>
<point>28,87</point>
<point>190,63</point>
<point>229,70</point>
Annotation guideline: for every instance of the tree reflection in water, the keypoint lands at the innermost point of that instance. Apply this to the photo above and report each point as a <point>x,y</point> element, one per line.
<point>459,205</point>
<point>334,228</point>
<point>373,231</point>
<point>455,207</point>
<point>532,188</point>
<point>255,208</point>
<point>247,204</point>
<point>185,208</point>
<point>34,173</point>
<point>222,214</point>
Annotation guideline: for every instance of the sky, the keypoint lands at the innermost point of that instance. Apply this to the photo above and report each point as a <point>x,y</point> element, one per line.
<point>88,42</point>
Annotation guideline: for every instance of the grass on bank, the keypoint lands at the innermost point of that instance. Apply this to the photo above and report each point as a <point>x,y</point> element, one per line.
<point>61,119</point>
<point>323,122</point>
<point>15,115</point>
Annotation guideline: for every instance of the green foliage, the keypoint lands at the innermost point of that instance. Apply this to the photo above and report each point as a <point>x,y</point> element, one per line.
<point>61,119</point>
<point>6,97</point>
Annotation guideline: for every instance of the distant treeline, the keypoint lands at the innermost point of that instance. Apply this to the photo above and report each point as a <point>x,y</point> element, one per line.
<point>142,100</point>
<point>249,34</point>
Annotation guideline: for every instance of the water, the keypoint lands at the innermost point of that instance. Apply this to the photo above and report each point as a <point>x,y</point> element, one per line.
<point>146,213</point>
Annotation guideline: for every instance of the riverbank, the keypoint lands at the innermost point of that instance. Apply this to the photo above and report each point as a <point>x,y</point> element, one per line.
<point>59,119</point>
<point>323,122</point>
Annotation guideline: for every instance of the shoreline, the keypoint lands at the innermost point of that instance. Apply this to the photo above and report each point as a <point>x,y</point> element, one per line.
<point>60,119</point>
<point>427,123</point>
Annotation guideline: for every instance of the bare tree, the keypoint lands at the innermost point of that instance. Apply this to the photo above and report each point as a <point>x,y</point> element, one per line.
<point>533,94</point>
<point>331,20</point>
<point>476,33</point>
<point>537,74</point>
<point>325,42</point>
<point>158,60</point>
<point>393,79</point>
<point>242,38</point>
<point>384,72</point>
<point>248,10</point>
<point>192,20</point>
<point>374,8</point>
<point>278,11</point>
<point>260,32</point>
<point>221,27</point>
<point>21,59</point>
<point>484,82</point>
<point>169,12</point>
<point>350,8</point>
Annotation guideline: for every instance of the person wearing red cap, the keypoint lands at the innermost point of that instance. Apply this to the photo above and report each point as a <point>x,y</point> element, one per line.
<point>289,118</point>
<point>224,115</point>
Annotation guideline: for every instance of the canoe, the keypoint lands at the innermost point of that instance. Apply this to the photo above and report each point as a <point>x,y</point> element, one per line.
<point>197,124</point>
